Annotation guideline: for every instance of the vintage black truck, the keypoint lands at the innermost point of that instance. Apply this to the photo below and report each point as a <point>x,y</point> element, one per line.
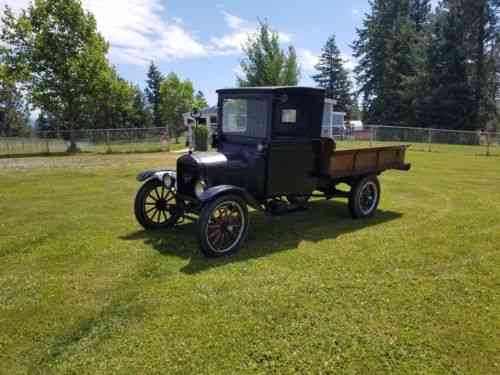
<point>270,156</point>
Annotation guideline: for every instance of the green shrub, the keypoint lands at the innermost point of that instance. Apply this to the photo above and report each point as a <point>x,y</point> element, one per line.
<point>201,138</point>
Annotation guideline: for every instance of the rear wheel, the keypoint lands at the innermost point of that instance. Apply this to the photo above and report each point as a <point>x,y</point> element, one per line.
<point>365,197</point>
<point>156,206</point>
<point>223,226</point>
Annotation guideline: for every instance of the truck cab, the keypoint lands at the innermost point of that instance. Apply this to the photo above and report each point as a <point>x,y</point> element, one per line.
<point>266,142</point>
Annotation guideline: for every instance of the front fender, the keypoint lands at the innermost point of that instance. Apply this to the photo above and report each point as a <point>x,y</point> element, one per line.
<point>159,175</point>
<point>217,191</point>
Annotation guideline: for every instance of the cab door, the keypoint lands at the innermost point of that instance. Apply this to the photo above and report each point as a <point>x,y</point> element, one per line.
<point>291,157</point>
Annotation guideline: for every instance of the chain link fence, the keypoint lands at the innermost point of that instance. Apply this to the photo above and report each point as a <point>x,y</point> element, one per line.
<point>92,141</point>
<point>423,139</point>
<point>156,140</point>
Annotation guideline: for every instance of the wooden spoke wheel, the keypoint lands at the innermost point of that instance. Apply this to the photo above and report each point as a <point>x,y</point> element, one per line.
<point>223,226</point>
<point>156,206</point>
<point>365,197</point>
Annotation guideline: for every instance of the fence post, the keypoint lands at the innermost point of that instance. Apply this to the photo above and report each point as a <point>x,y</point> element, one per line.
<point>371,136</point>
<point>429,140</point>
<point>107,142</point>
<point>487,143</point>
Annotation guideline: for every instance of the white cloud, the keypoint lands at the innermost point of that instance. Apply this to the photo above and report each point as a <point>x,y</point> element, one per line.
<point>138,30</point>
<point>16,5</point>
<point>238,71</point>
<point>241,29</point>
<point>349,61</point>
<point>307,60</point>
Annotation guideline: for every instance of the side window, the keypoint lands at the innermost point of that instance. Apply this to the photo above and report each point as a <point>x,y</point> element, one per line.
<point>289,116</point>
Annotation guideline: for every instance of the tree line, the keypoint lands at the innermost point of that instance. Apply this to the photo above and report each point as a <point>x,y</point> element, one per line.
<point>417,66</point>
<point>430,68</point>
<point>52,58</point>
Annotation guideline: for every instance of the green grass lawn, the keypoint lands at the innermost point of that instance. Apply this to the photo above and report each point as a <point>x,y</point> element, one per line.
<point>414,290</point>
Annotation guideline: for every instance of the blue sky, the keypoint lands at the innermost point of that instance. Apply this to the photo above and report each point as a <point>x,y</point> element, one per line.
<point>201,40</point>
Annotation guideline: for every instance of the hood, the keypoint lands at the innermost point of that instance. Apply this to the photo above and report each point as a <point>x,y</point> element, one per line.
<point>206,166</point>
<point>208,159</point>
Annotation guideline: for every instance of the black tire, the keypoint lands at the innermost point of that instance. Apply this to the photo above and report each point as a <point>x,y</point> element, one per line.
<point>223,226</point>
<point>301,201</point>
<point>365,197</point>
<point>156,206</point>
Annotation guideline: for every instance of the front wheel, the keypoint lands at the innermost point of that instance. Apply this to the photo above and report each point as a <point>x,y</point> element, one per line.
<point>365,197</point>
<point>156,206</point>
<point>223,226</point>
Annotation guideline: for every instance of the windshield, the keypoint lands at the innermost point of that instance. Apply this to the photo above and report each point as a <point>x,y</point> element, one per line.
<point>244,117</point>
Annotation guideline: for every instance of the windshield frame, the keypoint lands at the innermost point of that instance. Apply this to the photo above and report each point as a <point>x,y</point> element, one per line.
<point>245,139</point>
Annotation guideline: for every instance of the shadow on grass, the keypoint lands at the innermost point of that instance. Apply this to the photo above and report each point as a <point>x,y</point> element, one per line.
<point>267,234</point>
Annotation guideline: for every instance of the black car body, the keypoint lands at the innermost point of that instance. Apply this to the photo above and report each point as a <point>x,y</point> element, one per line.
<point>269,146</point>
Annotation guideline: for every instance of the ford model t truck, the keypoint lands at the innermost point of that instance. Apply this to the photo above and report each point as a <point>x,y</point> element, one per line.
<point>270,156</point>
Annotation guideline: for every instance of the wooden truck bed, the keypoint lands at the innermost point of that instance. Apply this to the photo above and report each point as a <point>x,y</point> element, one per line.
<point>347,163</point>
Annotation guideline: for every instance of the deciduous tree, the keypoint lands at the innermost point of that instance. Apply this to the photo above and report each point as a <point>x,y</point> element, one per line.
<point>177,98</point>
<point>200,102</point>
<point>265,63</point>
<point>57,44</point>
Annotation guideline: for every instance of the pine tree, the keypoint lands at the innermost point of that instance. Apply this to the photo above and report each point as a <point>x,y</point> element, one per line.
<point>483,33</point>
<point>388,48</point>
<point>420,13</point>
<point>450,95</point>
<point>153,93</point>
<point>462,70</point>
<point>334,77</point>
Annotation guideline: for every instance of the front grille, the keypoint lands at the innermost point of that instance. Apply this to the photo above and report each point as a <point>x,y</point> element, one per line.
<point>187,175</point>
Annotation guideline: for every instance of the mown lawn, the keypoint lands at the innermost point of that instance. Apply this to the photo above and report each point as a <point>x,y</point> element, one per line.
<point>414,290</point>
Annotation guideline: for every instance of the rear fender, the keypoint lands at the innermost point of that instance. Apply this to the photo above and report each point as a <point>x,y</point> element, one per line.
<point>217,191</point>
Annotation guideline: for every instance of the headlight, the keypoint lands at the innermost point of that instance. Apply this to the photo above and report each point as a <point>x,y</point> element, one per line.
<point>199,188</point>
<point>168,180</point>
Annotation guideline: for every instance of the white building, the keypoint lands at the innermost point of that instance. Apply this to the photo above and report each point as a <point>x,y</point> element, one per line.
<point>333,122</point>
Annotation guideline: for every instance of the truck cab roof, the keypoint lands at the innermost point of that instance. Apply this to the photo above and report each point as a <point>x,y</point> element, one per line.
<point>295,90</point>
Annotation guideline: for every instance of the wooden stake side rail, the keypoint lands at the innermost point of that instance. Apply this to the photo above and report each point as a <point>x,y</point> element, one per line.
<point>346,163</point>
